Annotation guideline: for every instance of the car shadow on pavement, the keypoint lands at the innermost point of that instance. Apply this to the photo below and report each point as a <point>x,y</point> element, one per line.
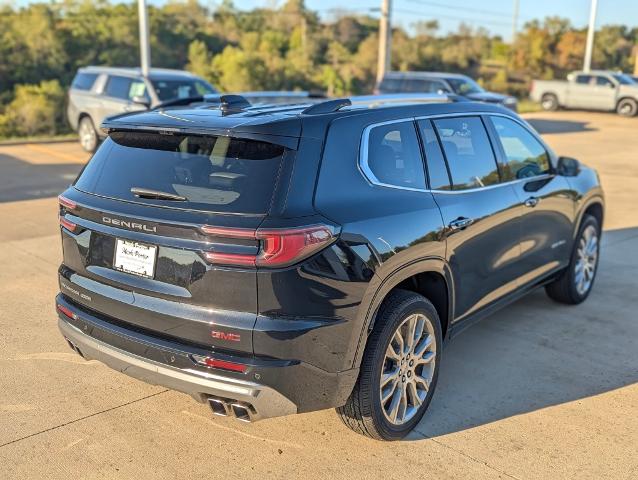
<point>545,125</point>
<point>536,353</point>
<point>20,180</point>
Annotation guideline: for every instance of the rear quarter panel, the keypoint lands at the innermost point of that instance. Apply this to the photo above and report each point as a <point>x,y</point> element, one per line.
<point>556,87</point>
<point>391,228</point>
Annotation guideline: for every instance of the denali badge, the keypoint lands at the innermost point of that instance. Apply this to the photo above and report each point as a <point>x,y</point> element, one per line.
<point>130,225</point>
<point>229,337</point>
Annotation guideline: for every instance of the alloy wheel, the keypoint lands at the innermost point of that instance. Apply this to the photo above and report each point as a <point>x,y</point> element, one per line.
<point>87,136</point>
<point>408,369</point>
<point>586,260</point>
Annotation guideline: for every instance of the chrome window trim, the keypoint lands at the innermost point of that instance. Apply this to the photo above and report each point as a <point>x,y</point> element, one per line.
<point>367,174</point>
<point>365,169</point>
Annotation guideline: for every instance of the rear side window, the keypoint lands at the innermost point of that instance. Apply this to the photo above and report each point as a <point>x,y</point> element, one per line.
<point>603,81</point>
<point>172,89</point>
<point>393,156</point>
<point>84,81</point>
<point>217,174</point>
<point>526,156</point>
<point>124,88</point>
<point>468,152</point>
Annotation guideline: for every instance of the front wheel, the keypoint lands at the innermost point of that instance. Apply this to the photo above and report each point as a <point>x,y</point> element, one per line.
<point>575,283</point>
<point>88,136</point>
<point>399,370</point>
<point>627,107</point>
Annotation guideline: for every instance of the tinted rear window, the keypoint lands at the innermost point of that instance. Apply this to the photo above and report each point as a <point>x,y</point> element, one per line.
<point>218,174</point>
<point>84,81</point>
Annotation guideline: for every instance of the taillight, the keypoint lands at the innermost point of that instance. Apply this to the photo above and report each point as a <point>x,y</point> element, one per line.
<point>277,247</point>
<point>66,204</point>
<point>285,247</point>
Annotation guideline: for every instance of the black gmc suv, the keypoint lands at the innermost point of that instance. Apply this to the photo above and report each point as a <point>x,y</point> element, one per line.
<point>282,259</point>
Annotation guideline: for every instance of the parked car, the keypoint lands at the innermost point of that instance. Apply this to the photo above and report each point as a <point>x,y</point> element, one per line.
<point>99,92</point>
<point>277,260</point>
<point>595,90</point>
<point>437,82</point>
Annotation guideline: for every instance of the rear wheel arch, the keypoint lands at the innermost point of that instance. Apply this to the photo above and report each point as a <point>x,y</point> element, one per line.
<point>431,278</point>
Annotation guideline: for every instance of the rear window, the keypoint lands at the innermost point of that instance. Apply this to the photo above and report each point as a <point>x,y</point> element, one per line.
<point>84,81</point>
<point>217,174</point>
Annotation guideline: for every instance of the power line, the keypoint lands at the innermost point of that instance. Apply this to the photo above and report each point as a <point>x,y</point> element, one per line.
<point>435,16</point>
<point>477,11</point>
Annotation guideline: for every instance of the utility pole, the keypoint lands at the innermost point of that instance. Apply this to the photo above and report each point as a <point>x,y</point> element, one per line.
<point>590,35</point>
<point>515,20</point>
<point>145,44</point>
<point>385,39</point>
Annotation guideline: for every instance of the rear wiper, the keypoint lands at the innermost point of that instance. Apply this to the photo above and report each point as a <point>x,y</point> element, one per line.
<point>159,195</point>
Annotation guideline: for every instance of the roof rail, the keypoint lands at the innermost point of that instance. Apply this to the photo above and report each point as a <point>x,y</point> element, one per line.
<point>403,98</point>
<point>329,106</point>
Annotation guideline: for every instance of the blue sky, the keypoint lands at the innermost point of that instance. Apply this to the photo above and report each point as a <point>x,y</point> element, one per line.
<point>495,15</point>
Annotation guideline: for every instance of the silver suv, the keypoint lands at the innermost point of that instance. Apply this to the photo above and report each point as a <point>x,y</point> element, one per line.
<point>100,92</point>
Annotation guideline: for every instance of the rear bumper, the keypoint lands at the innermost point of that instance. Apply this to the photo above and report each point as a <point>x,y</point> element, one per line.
<point>264,402</point>
<point>268,388</point>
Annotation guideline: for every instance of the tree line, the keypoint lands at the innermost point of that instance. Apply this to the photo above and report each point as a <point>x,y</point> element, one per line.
<point>291,47</point>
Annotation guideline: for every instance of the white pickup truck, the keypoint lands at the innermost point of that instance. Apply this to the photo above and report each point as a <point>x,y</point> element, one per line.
<point>595,90</point>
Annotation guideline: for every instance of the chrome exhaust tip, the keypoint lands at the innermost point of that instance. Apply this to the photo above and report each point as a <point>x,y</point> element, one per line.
<point>241,412</point>
<point>219,407</point>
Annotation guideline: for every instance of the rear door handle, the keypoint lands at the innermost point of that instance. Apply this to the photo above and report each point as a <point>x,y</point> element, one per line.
<point>460,223</point>
<point>531,202</point>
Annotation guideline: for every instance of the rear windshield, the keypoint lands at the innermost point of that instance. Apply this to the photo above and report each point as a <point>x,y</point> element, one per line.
<point>217,174</point>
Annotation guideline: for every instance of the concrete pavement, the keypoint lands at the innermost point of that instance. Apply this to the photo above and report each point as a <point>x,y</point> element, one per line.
<point>536,391</point>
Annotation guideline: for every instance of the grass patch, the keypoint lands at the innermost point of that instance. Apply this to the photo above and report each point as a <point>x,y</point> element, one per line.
<point>527,106</point>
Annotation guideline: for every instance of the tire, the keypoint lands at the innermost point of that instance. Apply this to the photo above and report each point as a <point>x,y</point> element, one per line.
<point>364,412</point>
<point>88,135</point>
<point>549,102</point>
<point>568,288</point>
<point>627,107</point>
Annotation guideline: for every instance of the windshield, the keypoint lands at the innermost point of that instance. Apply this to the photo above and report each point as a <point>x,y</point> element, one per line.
<point>186,88</point>
<point>464,85</point>
<point>215,174</point>
<point>624,79</point>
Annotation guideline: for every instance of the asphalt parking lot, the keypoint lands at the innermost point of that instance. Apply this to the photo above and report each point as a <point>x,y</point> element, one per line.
<point>536,391</point>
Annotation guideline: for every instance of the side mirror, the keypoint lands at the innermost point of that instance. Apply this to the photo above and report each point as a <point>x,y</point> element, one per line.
<point>568,167</point>
<point>140,100</point>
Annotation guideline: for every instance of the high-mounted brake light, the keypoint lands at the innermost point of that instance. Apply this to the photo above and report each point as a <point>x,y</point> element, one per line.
<point>278,247</point>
